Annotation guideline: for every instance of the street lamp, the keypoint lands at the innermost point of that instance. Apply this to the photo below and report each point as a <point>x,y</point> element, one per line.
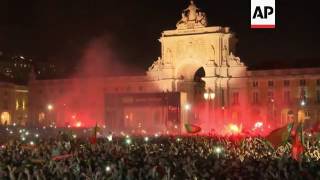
<point>50,107</point>
<point>187,107</point>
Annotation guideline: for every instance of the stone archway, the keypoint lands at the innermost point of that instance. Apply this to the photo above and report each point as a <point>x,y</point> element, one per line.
<point>286,116</point>
<point>188,71</point>
<point>190,79</point>
<point>5,118</point>
<point>191,82</point>
<point>301,115</point>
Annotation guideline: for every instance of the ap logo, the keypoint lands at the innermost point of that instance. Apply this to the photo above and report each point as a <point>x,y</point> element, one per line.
<point>263,13</point>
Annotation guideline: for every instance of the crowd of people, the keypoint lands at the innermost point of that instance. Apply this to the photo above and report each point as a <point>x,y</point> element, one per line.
<point>66,156</point>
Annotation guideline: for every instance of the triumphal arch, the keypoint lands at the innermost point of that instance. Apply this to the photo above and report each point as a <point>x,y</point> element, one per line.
<point>193,47</point>
<point>196,61</point>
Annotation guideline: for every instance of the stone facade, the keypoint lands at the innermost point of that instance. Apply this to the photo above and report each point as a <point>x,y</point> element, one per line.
<point>241,96</point>
<point>275,93</point>
<point>14,104</point>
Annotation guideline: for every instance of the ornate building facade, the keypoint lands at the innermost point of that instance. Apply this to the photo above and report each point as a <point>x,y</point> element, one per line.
<point>14,104</point>
<point>196,62</point>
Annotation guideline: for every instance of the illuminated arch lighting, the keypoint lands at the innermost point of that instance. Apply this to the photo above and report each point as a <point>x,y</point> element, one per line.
<point>5,118</point>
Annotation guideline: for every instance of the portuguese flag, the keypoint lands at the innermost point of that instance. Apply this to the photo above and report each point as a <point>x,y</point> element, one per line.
<point>192,128</point>
<point>278,136</point>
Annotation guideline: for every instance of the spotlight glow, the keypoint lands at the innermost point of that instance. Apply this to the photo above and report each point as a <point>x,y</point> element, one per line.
<point>187,107</point>
<point>233,129</point>
<point>128,141</point>
<point>50,107</point>
<point>146,139</point>
<point>78,124</point>
<point>108,169</point>
<point>258,124</point>
<point>218,150</point>
<point>109,138</point>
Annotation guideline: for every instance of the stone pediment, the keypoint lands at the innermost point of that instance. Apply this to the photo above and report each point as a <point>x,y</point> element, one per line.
<point>214,29</point>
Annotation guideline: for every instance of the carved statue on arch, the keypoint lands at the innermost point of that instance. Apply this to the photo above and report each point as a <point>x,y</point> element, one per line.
<point>192,17</point>
<point>156,66</point>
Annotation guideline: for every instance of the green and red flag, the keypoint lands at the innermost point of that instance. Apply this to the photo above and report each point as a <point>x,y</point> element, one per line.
<point>279,136</point>
<point>192,128</point>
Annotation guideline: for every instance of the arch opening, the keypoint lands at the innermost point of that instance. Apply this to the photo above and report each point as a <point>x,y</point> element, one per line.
<point>199,84</point>
<point>5,118</point>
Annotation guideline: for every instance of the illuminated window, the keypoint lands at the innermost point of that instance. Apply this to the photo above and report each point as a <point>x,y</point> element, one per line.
<point>255,98</point>
<point>5,118</point>
<point>302,82</point>
<point>286,97</point>
<point>270,96</point>
<point>286,83</point>
<point>303,94</point>
<point>41,118</point>
<point>255,84</point>
<point>17,104</point>
<point>23,105</point>
<point>236,98</point>
<point>222,97</point>
<point>270,83</point>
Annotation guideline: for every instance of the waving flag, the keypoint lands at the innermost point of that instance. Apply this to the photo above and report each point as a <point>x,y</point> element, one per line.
<point>280,135</point>
<point>192,128</point>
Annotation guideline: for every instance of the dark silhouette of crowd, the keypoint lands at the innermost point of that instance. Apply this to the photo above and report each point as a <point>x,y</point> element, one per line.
<point>67,156</point>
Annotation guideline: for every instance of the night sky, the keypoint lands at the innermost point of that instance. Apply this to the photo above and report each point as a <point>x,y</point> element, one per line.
<point>60,30</point>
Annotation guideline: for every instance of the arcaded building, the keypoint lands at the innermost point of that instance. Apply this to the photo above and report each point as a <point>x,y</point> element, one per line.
<point>13,104</point>
<point>198,79</point>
